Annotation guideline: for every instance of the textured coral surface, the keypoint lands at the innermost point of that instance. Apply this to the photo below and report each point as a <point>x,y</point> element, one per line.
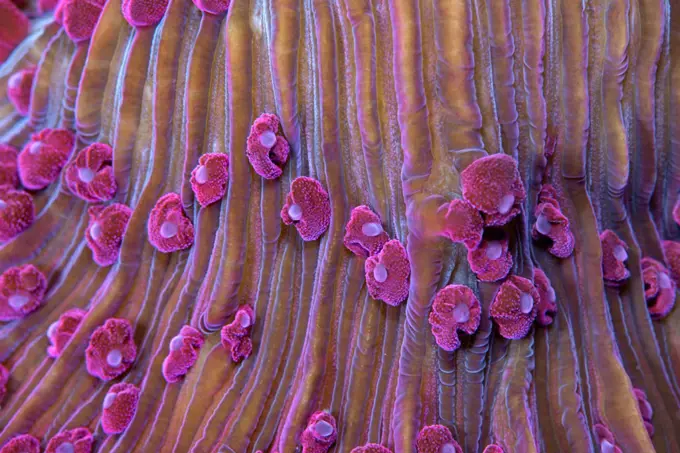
<point>551,121</point>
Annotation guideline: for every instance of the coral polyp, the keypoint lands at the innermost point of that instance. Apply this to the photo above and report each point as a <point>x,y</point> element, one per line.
<point>366,226</point>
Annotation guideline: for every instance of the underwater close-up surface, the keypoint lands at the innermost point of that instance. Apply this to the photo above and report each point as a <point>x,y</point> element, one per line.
<point>339,226</point>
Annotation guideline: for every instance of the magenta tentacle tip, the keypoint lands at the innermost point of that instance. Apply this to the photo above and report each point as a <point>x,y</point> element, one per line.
<point>371,448</point>
<point>112,350</point>
<point>671,250</point>
<point>493,448</point>
<point>22,291</point>
<point>23,443</point>
<point>216,7</point>
<point>614,257</point>
<point>119,407</point>
<point>266,149</point>
<point>308,208</point>
<point>320,434</point>
<point>546,305</point>
<point>493,185</point>
<point>436,439</point>
<point>4,378</point>
<point>182,354</point>
<point>14,27</point>
<point>659,288</point>
<point>169,228</point>
<point>210,178</point>
<point>364,233</point>
<point>43,157</point>
<point>388,272</point>
<point>455,308</point>
<point>463,223</point>
<point>80,17</point>
<point>9,176</point>
<point>144,13</point>
<point>605,439</point>
<point>19,87</point>
<point>236,335</point>
<point>105,231</point>
<point>646,410</point>
<point>60,332</point>
<point>77,440</point>
<point>514,307</point>
<point>492,260</point>
<point>551,225</point>
<point>17,213</point>
<point>90,175</point>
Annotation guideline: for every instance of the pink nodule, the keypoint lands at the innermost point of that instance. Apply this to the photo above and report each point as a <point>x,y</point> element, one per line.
<point>24,443</point>
<point>552,225</point>
<point>364,234</point>
<point>212,6</point>
<point>144,13</point>
<point>671,250</point>
<point>121,407</point>
<point>22,291</point>
<point>112,350</point>
<point>90,175</point>
<point>659,288</point>
<point>104,234</point>
<point>17,213</point>
<point>546,304</point>
<point>266,149</point>
<point>169,228</point>
<point>514,307</point>
<point>455,308</point>
<point>492,260</point>
<point>321,432</point>
<point>614,255</point>
<point>493,185</point>
<point>183,353</point>
<point>210,178</point>
<point>387,273</point>
<point>308,207</point>
<point>77,440</point>
<point>646,410</point>
<point>9,176</point>
<point>42,159</point>
<point>371,448</point>
<point>463,223</point>
<point>61,331</point>
<point>14,27</point>
<point>4,378</point>
<point>19,87</point>
<point>236,335</point>
<point>80,17</point>
<point>493,448</point>
<point>436,439</point>
<point>605,439</point>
